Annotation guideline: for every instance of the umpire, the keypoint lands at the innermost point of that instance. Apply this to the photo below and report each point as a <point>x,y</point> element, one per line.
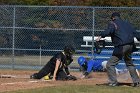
<point>122,34</point>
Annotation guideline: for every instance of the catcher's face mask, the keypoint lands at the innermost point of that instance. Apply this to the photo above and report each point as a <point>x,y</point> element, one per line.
<point>68,50</point>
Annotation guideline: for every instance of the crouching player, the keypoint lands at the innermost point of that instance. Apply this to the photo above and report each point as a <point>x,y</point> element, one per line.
<point>55,67</point>
<point>87,66</point>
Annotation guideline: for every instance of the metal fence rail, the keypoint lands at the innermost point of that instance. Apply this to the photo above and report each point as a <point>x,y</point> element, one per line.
<point>30,35</point>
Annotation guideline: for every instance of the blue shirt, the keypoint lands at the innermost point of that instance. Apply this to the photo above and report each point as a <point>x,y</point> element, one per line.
<point>94,65</point>
<point>121,32</point>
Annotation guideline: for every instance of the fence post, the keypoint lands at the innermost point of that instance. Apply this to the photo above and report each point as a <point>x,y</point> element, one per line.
<point>40,54</point>
<point>93,23</point>
<point>13,42</point>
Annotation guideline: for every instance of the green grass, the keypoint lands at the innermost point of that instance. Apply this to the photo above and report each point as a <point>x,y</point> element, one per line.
<point>81,89</point>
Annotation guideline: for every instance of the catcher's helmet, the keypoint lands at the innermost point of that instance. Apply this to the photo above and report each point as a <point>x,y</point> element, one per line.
<point>69,50</point>
<point>81,60</point>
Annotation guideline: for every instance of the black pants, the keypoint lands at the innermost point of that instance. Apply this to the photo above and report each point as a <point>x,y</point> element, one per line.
<point>49,69</point>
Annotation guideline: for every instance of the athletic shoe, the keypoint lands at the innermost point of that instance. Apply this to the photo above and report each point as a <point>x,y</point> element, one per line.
<point>113,84</point>
<point>32,77</point>
<point>136,84</point>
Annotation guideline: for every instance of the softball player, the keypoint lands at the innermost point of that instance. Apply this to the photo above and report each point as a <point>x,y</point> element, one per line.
<point>88,66</point>
<point>56,65</point>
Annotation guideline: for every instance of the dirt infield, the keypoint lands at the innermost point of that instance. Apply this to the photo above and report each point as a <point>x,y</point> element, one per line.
<point>20,80</point>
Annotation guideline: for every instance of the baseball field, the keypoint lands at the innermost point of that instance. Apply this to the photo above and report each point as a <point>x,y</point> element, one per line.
<point>18,81</point>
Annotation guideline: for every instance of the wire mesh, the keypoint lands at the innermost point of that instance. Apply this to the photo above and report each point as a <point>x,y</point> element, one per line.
<point>31,35</point>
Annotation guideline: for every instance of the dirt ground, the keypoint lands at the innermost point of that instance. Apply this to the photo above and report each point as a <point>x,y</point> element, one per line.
<point>20,80</point>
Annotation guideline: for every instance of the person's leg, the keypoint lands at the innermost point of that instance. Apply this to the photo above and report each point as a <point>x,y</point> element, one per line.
<point>131,68</point>
<point>130,65</point>
<point>104,65</point>
<point>111,71</point>
<point>138,72</point>
<point>43,72</point>
<point>61,75</point>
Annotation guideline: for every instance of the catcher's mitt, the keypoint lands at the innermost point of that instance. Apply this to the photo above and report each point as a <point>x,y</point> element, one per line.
<point>99,45</point>
<point>71,77</point>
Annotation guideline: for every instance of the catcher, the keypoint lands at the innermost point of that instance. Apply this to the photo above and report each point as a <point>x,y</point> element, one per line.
<point>55,67</point>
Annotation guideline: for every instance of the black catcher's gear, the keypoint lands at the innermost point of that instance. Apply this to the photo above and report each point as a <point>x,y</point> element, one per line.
<point>50,67</point>
<point>71,77</point>
<point>69,60</point>
<point>65,59</point>
<point>69,50</point>
<point>99,45</point>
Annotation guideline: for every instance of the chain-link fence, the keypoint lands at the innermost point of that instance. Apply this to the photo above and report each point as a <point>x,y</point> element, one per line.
<point>30,35</point>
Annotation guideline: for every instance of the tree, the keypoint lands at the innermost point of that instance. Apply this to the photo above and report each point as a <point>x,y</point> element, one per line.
<point>72,2</point>
<point>115,2</point>
<point>25,2</point>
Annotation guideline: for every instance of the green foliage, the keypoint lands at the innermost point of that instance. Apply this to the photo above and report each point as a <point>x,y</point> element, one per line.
<point>25,2</point>
<point>114,2</point>
<point>73,2</point>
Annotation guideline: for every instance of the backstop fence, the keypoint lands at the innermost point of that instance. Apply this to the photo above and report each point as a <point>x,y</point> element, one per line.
<point>30,35</point>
